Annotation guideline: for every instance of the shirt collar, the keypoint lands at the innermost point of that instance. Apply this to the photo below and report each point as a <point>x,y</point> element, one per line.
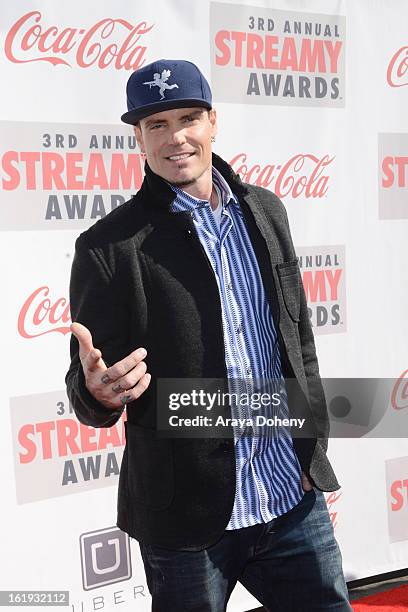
<point>186,202</point>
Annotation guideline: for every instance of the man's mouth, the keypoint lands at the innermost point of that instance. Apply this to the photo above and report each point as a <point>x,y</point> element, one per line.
<point>180,156</point>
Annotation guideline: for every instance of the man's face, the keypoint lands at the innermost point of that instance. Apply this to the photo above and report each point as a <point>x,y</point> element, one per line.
<point>177,143</point>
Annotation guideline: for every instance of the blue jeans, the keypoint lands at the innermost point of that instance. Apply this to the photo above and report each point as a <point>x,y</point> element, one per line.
<point>291,564</point>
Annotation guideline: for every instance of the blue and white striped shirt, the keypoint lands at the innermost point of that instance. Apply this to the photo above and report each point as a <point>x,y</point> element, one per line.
<point>268,473</point>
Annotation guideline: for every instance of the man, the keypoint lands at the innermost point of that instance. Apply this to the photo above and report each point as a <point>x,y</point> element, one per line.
<point>196,277</point>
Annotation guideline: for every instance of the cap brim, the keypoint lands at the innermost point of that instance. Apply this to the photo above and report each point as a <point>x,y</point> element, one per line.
<point>132,117</point>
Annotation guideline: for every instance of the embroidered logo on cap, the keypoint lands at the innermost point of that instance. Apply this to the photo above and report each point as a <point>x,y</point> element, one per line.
<point>161,82</point>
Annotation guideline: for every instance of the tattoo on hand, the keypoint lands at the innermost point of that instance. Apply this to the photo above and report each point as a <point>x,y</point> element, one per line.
<point>105,379</point>
<point>125,399</point>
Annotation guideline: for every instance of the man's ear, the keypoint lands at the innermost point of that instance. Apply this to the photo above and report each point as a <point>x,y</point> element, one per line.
<point>212,116</point>
<point>139,138</point>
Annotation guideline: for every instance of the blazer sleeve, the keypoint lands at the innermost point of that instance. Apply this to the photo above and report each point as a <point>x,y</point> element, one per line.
<point>93,303</point>
<point>310,363</point>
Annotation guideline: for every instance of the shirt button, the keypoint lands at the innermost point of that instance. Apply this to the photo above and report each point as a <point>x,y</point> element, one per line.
<point>249,370</point>
<point>239,329</point>
<point>229,285</point>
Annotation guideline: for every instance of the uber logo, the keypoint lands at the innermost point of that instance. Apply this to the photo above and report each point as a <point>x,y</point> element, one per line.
<point>105,557</point>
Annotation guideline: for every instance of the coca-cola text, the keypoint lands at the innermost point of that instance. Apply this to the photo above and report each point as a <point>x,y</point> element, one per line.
<point>40,316</point>
<point>29,40</point>
<point>302,174</point>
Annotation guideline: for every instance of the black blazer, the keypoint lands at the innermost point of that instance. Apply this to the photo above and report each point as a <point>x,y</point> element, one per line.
<point>140,277</point>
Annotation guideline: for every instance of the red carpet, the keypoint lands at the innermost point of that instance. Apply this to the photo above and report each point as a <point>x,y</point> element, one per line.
<point>395,600</point>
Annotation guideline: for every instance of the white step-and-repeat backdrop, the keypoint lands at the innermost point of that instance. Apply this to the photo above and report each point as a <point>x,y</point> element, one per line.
<point>312,99</point>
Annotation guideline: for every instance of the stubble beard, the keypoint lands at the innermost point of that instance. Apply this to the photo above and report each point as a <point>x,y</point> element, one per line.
<point>187,182</point>
<point>184,183</point>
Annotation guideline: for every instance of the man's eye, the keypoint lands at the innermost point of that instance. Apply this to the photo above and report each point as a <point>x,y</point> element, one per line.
<point>156,125</point>
<point>190,119</point>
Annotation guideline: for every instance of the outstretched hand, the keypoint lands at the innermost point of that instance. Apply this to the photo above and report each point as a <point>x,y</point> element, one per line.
<point>117,385</point>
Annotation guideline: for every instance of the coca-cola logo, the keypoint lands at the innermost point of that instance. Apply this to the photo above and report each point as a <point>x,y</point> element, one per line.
<point>108,42</point>
<point>397,72</point>
<point>39,315</point>
<point>399,396</point>
<point>302,175</point>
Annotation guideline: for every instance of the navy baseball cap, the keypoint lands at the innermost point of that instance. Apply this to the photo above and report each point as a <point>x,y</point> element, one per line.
<point>164,85</point>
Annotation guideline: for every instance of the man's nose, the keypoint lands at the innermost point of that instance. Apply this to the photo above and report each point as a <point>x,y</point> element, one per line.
<point>177,137</point>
